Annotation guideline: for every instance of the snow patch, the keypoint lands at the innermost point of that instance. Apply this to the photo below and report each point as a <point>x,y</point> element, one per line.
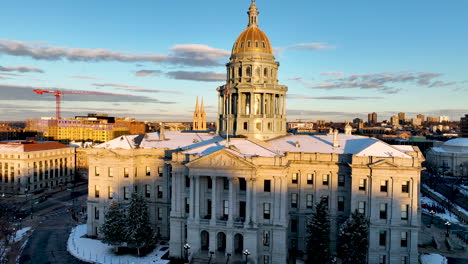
<point>20,233</point>
<point>433,259</point>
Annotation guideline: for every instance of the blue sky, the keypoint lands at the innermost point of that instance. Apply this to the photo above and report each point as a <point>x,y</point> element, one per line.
<point>340,59</point>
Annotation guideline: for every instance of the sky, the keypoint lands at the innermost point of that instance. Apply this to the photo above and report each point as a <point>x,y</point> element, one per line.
<point>151,59</point>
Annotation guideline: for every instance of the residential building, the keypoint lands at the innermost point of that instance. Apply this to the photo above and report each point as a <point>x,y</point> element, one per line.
<point>401,118</point>
<point>372,118</point>
<point>443,119</point>
<point>395,121</point>
<point>464,126</point>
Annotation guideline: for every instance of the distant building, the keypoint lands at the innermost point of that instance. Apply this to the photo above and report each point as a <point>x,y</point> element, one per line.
<point>431,119</point>
<point>450,158</point>
<point>401,118</point>
<point>416,121</point>
<point>28,166</point>
<point>372,118</point>
<point>444,119</point>
<point>395,121</point>
<point>421,116</point>
<point>199,117</point>
<point>464,126</point>
<point>320,122</point>
<point>357,120</point>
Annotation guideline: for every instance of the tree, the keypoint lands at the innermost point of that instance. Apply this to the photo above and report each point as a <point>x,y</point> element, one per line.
<point>114,225</point>
<point>354,241</point>
<point>318,240</point>
<point>7,229</point>
<point>138,229</point>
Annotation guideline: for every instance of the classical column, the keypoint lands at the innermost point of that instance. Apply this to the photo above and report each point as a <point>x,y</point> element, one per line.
<point>191,199</point>
<point>213,199</point>
<point>284,200</point>
<point>232,199</point>
<point>248,202</point>
<point>197,198</point>
<point>276,199</point>
<point>254,202</point>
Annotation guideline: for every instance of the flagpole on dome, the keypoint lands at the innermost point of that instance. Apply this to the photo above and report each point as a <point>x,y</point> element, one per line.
<point>226,97</point>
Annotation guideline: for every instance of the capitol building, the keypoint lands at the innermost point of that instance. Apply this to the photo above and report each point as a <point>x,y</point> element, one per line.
<point>253,186</point>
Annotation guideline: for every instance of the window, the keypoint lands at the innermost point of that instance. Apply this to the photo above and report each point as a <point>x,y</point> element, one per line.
<point>225,209</point>
<point>294,200</point>
<point>309,201</point>
<point>404,211</point>
<point>126,193</point>
<point>325,199</point>
<point>383,186</point>
<point>160,191</point>
<point>110,171</point>
<point>266,238</point>
<point>325,179</point>
<point>96,213</point>
<point>404,259</point>
<point>310,178</point>
<point>382,238</point>
<point>110,192</point>
<point>405,187</point>
<point>126,172</point>
<point>256,44</point>
<point>208,206</point>
<point>160,171</point>
<point>187,181</point>
<point>210,182</point>
<point>147,191</point>
<point>248,44</point>
<point>404,239</point>
<point>382,259</point>
<point>160,213</point>
<point>242,184</point>
<point>362,184</point>
<point>383,211</point>
<point>225,184</point>
<point>266,258</point>
<point>187,206</point>
<point>267,185</point>
<point>266,210</point>
<point>341,203</point>
<point>96,191</point>
<point>293,225</point>
<point>96,171</point>
<point>263,44</point>
<point>294,178</point>
<point>148,171</point>
<point>341,180</point>
<point>362,207</point>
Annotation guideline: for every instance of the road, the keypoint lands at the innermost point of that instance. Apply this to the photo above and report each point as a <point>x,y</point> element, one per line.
<point>48,243</point>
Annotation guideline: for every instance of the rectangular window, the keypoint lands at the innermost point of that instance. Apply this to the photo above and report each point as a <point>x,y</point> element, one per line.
<point>210,182</point>
<point>294,178</point>
<point>341,203</point>
<point>110,192</point>
<point>404,259</point>
<point>405,187</point>
<point>110,171</point>
<point>160,171</point>
<point>362,184</point>
<point>383,238</point>
<point>382,259</point>
<point>126,193</point>
<point>187,181</point>
<point>160,213</point>
<point>294,200</point>
<point>225,209</point>
<point>341,180</point>
<point>96,171</point>
<point>160,191</point>
<point>208,206</point>
<point>96,191</point>
<point>309,201</point>
<point>147,191</point>
<point>325,179</point>
<point>310,178</point>
<point>266,259</point>
<point>96,213</point>
<point>404,211</point>
<point>225,184</point>
<point>148,171</point>
<point>404,239</point>
<point>293,225</point>
<point>383,186</point>
<point>267,185</point>
<point>242,184</point>
<point>266,238</point>
<point>187,206</point>
<point>362,207</point>
<point>126,172</point>
<point>266,210</point>
<point>383,211</point>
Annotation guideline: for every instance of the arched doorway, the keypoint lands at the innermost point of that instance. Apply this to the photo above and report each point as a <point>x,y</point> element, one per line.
<point>238,243</point>
<point>205,240</point>
<point>221,246</point>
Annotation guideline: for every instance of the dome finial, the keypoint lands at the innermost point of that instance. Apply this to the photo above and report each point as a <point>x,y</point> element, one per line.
<point>253,14</point>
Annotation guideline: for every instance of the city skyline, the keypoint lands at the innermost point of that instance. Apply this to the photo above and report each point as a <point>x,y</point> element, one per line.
<point>336,64</point>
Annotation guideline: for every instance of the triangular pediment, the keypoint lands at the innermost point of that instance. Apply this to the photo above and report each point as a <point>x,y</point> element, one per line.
<point>221,159</point>
<point>381,164</point>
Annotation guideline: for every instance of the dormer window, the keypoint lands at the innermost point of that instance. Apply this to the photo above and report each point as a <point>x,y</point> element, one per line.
<point>256,44</point>
<point>248,44</point>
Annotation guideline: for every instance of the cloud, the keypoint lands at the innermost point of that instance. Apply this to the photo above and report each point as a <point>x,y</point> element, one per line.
<point>441,84</point>
<point>345,98</point>
<point>336,74</point>
<point>20,92</point>
<point>132,88</point>
<point>20,69</point>
<point>10,74</point>
<point>83,77</point>
<point>145,73</point>
<point>197,76</point>
<point>186,54</point>
<point>312,46</point>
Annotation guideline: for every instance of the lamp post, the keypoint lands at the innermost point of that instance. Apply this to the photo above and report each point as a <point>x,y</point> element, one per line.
<point>246,254</point>
<point>432,215</point>
<point>447,226</point>
<point>186,248</point>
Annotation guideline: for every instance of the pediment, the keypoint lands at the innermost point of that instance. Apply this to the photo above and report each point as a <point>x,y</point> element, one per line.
<point>382,164</point>
<point>221,159</point>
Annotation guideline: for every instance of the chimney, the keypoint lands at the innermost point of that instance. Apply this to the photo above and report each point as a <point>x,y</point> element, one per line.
<point>335,139</point>
<point>297,144</point>
<point>162,132</point>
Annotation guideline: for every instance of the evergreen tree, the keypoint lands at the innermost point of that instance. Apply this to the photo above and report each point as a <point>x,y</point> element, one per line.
<point>138,229</point>
<point>114,225</point>
<point>318,241</point>
<point>354,240</point>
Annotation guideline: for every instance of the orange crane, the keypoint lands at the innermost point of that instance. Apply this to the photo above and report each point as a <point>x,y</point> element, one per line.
<point>60,93</point>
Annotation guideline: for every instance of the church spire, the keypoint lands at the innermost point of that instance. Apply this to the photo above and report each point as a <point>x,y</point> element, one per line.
<point>197,108</point>
<point>253,14</point>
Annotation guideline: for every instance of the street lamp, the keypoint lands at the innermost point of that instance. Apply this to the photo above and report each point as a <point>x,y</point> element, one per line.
<point>186,248</point>
<point>246,254</point>
<point>432,215</point>
<point>447,225</point>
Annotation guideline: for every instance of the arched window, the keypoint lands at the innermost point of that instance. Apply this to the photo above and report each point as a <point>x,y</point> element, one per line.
<point>265,72</point>
<point>263,44</point>
<point>249,72</point>
<point>242,45</point>
<point>248,44</point>
<point>256,44</point>
<point>240,71</point>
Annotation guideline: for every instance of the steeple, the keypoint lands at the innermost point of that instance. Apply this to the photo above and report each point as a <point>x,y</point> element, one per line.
<point>253,15</point>
<point>197,109</point>
<point>199,116</point>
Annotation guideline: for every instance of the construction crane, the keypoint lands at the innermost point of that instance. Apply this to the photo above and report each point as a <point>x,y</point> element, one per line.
<point>60,93</point>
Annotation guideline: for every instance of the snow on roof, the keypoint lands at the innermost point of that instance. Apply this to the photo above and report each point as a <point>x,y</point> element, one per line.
<point>239,146</point>
<point>456,145</point>
<point>122,142</point>
<point>177,139</point>
<point>404,147</point>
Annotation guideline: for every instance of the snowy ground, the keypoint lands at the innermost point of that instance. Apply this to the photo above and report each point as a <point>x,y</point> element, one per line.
<point>94,251</point>
<point>447,216</point>
<point>433,259</point>
<point>18,237</point>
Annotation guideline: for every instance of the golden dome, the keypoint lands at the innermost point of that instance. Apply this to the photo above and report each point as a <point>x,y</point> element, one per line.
<point>252,39</point>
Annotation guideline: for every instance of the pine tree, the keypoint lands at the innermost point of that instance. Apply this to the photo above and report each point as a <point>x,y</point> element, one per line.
<point>114,224</point>
<point>138,229</point>
<point>318,241</point>
<point>353,239</point>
